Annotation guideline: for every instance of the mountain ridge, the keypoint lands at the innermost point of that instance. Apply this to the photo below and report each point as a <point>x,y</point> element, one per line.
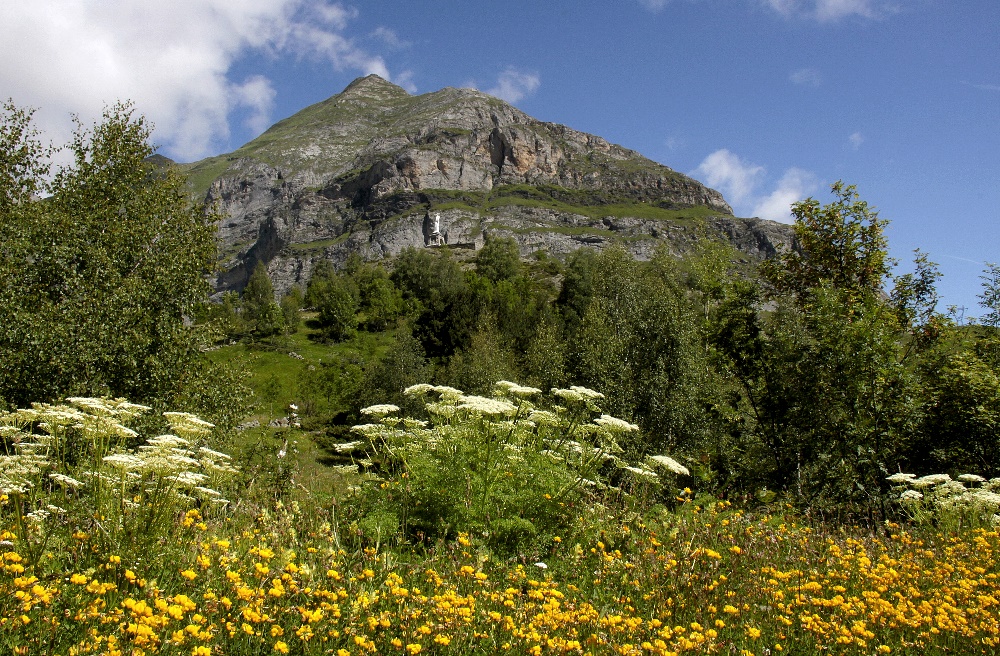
<point>366,169</point>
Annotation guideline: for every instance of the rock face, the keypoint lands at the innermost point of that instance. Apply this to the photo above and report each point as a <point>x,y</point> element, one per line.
<point>367,170</point>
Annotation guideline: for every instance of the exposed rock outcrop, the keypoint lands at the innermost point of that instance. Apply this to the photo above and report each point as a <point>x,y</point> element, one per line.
<point>366,170</point>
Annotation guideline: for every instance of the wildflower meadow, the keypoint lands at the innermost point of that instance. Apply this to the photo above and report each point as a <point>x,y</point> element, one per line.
<point>507,524</point>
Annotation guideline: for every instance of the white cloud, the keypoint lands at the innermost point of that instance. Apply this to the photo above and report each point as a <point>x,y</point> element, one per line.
<point>795,185</point>
<point>390,38</point>
<point>654,5</point>
<point>729,174</point>
<point>739,182</point>
<point>856,140</point>
<point>806,76</point>
<point>173,59</point>
<point>513,85</point>
<point>832,10</point>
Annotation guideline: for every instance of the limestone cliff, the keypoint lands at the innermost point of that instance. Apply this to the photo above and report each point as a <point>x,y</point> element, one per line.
<point>368,169</point>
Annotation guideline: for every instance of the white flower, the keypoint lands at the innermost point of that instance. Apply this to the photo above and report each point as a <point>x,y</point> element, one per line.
<point>487,406</point>
<point>541,566</point>
<point>207,491</point>
<point>971,478</point>
<point>641,471</point>
<point>448,393</point>
<point>418,390</point>
<point>910,495</point>
<point>930,480</point>
<point>901,478</point>
<point>347,447</point>
<point>670,464</point>
<point>544,418</point>
<point>167,441</point>
<point>126,461</point>
<point>615,424</point>
<point>586,393</point>
<point>65,481</point>
<point>517,390</point>
<point>213,454</point>
<point>383,409</point>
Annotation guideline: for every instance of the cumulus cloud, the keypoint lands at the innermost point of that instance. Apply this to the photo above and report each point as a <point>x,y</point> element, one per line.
<point>513,85</point>
<point>740,182</point>
<point>794,185</point>
<point>832,10</point>
<point>174,59</point>
<point>806,77</point>
<point>729,174</point>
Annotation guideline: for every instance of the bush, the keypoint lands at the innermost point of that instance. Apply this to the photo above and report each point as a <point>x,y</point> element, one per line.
<point>501,469</point>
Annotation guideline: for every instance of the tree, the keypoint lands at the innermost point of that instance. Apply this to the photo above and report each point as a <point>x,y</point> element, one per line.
<point>498,259</point>
<point>98,278</point>
<point>842,244</point>
<point>261,313</point>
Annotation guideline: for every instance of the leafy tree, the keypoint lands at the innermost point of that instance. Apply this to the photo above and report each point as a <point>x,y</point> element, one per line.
<point>380,301</point>
<point>97,279</point>
<point>498,259</point>
<point>290,304</point>
<point>842,245</point>
<point>260,313</point>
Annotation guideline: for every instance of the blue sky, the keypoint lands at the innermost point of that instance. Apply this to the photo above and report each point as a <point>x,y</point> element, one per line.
<point>768,101</point>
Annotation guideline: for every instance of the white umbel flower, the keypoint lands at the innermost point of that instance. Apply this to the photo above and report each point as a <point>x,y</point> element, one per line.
<point>381,409</point>
<point>670,464</point>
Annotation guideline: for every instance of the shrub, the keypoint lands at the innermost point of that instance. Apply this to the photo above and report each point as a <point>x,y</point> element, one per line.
<point>501,468</point>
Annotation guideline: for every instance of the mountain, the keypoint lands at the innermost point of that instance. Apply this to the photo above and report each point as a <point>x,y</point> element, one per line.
<point>374,169</point>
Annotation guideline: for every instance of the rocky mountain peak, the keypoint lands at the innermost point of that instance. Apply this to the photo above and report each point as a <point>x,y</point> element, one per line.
<point>367,169</point>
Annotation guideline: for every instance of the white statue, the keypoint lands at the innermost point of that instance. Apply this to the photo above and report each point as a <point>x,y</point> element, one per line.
<point>435,236</point>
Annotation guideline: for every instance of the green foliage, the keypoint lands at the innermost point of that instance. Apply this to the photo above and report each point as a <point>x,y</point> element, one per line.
<point>291,304</point>
<point>638,340</point>
<point>843,245</point>
<point>262,316</point>
<point>77,465</point>
<point>498,259</point>
<point>96,280</point>
<point>335,298</point>
<point>499,468</point>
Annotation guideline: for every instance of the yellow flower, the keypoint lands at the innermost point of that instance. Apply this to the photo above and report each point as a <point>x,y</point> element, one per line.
<point>189,574</point>
<point>201,650</point>
<point>413,648</point>
<point>281,647</point>
<point>753,632</point>
<point>78,579</point>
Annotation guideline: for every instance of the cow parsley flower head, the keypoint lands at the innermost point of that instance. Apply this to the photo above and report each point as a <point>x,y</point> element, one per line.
<point>487,406</point>
<point>641,472</point>
<point>670,465</point>
<point>381,409</point>
<point>517,390</point>
<point>911,495</point>
<point>901,478</point>
<point>615,424</point>
<point>930,480</point>
<point>418,390</point>
<point>586,392</point>
<point>971,478</point>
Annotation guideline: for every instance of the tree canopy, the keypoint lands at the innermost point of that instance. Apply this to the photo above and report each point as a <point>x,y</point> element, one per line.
<point>101,265</point>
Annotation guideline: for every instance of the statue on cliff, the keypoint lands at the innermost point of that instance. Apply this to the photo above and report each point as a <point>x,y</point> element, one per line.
<point>435,239</point>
